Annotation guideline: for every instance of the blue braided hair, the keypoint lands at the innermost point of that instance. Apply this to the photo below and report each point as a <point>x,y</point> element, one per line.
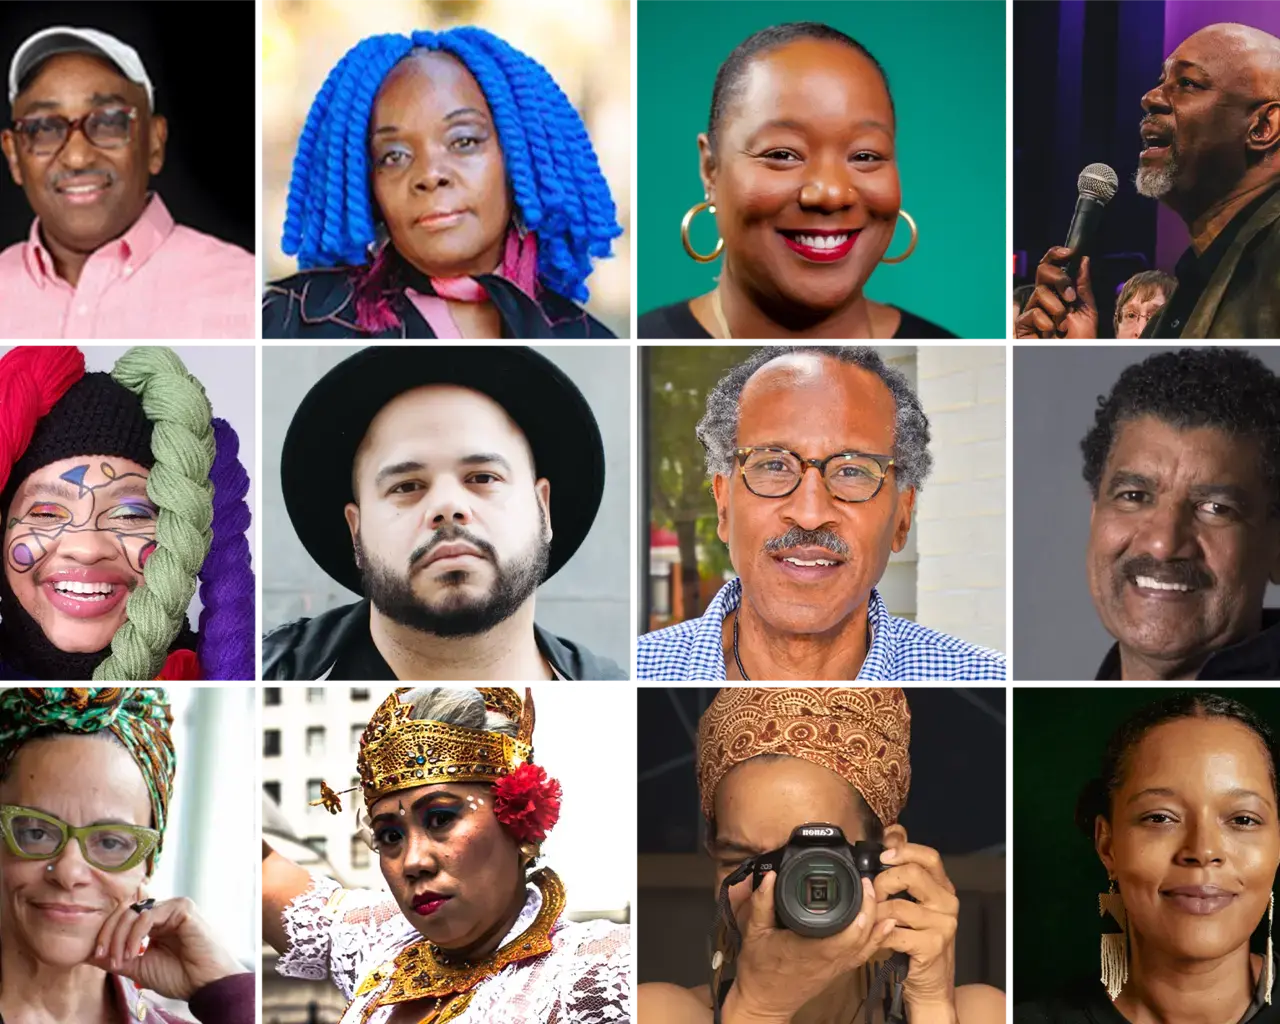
<point>551,168</point>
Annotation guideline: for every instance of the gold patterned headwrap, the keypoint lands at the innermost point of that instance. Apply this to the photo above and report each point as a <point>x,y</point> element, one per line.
<point>862,735</point>
<point>138,716</point>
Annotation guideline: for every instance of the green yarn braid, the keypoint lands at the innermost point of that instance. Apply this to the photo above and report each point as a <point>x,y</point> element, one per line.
<point>183,445</point>
<point>138,716</point>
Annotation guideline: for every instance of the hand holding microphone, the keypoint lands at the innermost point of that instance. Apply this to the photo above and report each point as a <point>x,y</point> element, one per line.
<point>1062,305</point>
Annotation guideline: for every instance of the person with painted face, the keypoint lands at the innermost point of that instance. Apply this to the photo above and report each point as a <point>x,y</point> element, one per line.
<point>120,493</point>
<point>86,782</point>
<point>799,169</point>
<point>1210,135</point>
<point>456,811</point>
<point>104,258</point>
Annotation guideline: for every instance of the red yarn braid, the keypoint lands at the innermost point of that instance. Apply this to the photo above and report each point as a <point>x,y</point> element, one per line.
<point>32,379</point>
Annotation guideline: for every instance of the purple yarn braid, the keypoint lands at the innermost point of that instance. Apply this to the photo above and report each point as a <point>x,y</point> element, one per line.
<point>227,622</point>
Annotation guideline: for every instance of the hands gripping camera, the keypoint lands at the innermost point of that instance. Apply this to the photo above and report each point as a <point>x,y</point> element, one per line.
<point>818,931</point>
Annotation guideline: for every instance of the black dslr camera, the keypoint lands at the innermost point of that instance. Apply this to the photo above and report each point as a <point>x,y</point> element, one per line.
<point>818,891</point>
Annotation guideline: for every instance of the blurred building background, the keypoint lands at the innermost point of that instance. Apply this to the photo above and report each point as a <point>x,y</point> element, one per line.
<point>584,732</point>
<point>211,852</point>
<point>585,46</point>
<point>950,576</point>
<point>588,601</point>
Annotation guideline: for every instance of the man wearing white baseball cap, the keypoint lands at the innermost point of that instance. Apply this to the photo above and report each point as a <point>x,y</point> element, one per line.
<point>104,258</point>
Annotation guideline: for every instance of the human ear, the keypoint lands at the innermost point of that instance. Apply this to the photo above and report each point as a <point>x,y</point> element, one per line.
<point>902,524</point>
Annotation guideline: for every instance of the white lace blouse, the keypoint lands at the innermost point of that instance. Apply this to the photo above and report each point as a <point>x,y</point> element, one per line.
<point>343,934</point>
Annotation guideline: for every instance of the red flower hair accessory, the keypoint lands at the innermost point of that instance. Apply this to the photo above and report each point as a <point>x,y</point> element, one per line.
<point>527,803</point>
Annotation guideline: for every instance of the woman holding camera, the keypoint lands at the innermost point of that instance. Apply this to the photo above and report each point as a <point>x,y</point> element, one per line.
<point>770,760</point>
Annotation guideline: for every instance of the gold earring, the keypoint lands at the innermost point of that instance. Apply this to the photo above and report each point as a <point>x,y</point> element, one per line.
<point>1115,946</point>
<point>915,237</point>
<point>530,851</point>
<point>684,233</point>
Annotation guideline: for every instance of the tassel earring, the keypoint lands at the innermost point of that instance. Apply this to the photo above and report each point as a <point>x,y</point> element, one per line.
<point>1269,966</point>
<point>1115,945</point>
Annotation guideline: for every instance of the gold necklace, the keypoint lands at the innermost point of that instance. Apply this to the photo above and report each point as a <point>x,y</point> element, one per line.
<point>420,971</point>
<point>718,312</point>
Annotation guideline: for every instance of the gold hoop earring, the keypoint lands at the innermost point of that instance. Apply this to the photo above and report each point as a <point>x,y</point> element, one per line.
<point>684,233</point>
<point>915,237</point>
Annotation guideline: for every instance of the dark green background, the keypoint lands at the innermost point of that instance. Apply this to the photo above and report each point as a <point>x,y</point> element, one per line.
<point>946,65</point>
<point>1058,740</point>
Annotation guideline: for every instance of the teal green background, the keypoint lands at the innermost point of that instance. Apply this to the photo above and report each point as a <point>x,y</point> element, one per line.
<point>946,65</point>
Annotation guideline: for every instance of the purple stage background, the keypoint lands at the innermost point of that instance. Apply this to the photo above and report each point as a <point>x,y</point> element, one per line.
<point>1183,18</point>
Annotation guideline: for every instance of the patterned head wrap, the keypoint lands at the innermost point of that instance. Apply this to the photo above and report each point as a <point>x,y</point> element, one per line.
<point>860,734</point>
<point>136,715</point>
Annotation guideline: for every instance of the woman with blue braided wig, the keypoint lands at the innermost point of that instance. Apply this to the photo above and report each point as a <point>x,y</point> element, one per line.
<point>86,781</point>
<point>444,187</point>
<point>120,494</point>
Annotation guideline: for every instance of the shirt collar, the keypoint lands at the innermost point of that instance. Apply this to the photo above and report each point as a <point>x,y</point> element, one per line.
<point>137,245</point>
<point>1198,269</point>
<point>708,638</point>
<point>1256,657</point>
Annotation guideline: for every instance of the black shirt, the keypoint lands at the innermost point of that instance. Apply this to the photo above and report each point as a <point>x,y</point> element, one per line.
<point>1258,657</point>
<point>678,321</point>
<point>1193,273</point>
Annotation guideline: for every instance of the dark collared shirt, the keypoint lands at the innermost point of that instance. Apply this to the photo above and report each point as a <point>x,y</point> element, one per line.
<point>1258,657</point>
<point>1193,273</point>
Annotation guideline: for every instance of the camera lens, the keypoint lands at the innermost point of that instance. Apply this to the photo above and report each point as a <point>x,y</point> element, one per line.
<point>818,892</point>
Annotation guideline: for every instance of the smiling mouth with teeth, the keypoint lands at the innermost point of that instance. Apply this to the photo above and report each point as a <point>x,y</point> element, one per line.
<point>808,563</point>
<point>85,591</point>
<point>1151,583</point>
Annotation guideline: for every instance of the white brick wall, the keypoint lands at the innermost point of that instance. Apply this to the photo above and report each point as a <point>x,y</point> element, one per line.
<point>960,514</point>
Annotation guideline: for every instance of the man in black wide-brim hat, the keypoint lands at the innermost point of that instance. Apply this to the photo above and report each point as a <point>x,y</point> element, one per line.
<point>424,478</point>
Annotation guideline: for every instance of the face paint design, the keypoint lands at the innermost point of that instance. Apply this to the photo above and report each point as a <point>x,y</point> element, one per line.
<point>130,520</point>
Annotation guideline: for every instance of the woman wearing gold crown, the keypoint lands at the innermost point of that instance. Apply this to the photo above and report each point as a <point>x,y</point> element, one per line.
<point>456,810</point>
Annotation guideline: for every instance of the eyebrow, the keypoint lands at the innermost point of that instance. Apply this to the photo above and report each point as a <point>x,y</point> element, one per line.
<point>800,126</point>
<point>1235,794</point>
<point>100,821</point>
<point>1199,492</point>
<point>1169,65</point>
<point>413,466</point>
<point>123,486</point>
<point>98,99</point>
<point>453,115</point>
<point>1129,478</point>
<point>426,798</point>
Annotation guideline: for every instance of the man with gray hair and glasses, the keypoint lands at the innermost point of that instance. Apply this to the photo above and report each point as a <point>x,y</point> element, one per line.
<point>809,547</point>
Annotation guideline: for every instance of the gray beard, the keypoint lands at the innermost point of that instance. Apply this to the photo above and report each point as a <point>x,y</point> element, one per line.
<point>1157,182</point>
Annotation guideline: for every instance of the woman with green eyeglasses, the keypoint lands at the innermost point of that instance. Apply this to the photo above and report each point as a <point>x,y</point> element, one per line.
<point>86,776</point>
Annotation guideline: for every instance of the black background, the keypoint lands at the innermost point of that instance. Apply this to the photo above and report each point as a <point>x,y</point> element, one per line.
<point>200,55</point>
<point>1058,739</point>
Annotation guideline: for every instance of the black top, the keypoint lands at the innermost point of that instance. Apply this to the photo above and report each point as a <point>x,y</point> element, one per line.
<point>1087,1002</point>
<point>1193,273</point>
<point>337,644</point>
<point>321,304</point>
<point>678,321</point>
<point>1258,657</point>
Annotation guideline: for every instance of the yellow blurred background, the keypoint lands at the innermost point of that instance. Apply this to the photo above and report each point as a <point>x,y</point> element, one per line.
<point>584,44</point>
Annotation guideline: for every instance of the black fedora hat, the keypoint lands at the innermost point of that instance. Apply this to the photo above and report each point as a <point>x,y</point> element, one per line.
<point>320,445</point>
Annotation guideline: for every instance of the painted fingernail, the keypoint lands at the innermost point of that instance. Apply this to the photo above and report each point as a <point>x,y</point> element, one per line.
<point>142,905</point>
<point>142,946</point>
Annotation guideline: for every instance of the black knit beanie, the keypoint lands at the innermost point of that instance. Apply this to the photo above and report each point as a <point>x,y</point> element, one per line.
<point>96,416</point>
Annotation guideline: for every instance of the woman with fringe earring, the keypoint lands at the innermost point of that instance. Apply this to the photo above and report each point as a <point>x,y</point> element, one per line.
<point>443,187</point>
<point>1183,816</point>
<point>121,494</point>
<point>471,930</point>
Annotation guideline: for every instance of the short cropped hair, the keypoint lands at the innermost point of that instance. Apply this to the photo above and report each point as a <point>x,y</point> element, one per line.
<point>1143,286</point>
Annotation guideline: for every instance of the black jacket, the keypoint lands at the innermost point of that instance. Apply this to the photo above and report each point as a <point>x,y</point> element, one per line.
<point>337,645</point>
<point>322,304</point>
<point>1257,657</point>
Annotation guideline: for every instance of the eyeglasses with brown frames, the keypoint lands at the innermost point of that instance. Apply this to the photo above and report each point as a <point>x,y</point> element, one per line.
<point>849,476</point>
<point>104,127</point>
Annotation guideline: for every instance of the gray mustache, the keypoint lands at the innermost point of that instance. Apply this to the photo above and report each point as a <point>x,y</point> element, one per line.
<point>796,537</point>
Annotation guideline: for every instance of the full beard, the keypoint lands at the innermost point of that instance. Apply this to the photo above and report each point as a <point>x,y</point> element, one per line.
<point>454,616</point>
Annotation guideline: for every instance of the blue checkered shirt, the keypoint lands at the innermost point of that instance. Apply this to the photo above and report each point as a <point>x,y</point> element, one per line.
<point>900,650</point>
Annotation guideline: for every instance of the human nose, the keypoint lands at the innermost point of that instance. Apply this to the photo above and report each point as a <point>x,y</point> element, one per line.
<point>829,187</point>
<point>435,170</point>
<point>420,853</point>
<point>809,505</point>
<point>1165,532</point>
<point>77,151</point>
<point>86,546</point>
<point>1155,101</point>
<point>69,868</point>
<point>448,503</point>
<point>1202,842</point>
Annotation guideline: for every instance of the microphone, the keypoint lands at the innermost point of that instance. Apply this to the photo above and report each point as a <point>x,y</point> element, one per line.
<point>1097,186</point>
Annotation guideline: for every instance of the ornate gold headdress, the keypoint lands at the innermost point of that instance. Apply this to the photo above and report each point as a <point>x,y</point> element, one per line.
<point>400,752</point>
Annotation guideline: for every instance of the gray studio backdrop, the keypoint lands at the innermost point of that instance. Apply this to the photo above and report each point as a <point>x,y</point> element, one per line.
<point>226,371</point>
<point>1056,632</point>
<point>587,601</point>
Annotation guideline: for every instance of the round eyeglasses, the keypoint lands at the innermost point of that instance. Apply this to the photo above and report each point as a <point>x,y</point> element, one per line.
<point>105,127</point>
<point>35,835</point>
<point>849,476</point>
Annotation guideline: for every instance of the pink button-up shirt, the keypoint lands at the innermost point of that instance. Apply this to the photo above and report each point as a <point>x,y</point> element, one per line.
<point>158,280</point>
